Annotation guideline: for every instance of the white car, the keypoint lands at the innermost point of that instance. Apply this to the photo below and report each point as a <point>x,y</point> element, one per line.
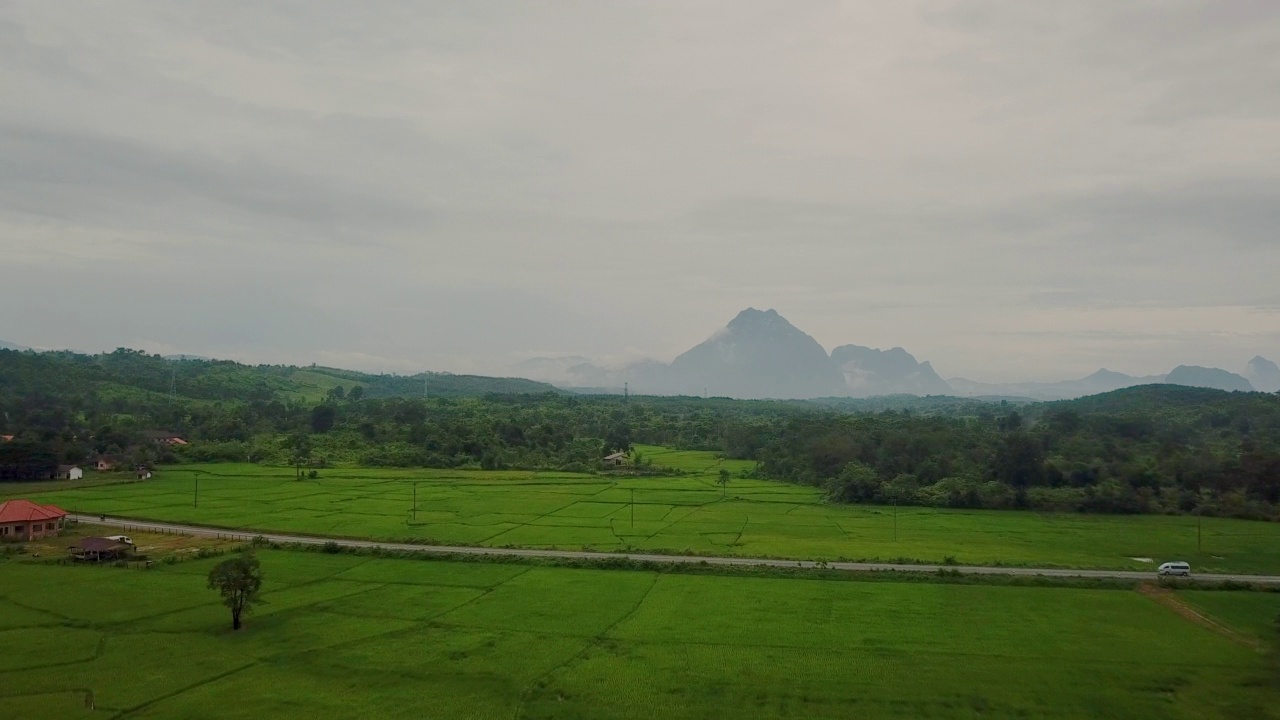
<point>121,538</point>
<point>1174,568</point>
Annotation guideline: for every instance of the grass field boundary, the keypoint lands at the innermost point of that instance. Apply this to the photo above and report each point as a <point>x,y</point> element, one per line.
<point>1167,598</point>
<point>592,642</point>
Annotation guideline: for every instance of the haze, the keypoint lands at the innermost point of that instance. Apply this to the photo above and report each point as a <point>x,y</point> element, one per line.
<point>1011,190</point>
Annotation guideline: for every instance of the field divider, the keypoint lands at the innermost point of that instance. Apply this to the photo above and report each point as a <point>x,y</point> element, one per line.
<point>661,558</point>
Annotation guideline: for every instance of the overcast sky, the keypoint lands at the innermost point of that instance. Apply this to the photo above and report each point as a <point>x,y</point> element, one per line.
<point>1012,190</point>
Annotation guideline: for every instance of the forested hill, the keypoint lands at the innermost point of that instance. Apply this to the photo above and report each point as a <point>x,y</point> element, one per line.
<point>138,375</point>
<point>1157,448</point>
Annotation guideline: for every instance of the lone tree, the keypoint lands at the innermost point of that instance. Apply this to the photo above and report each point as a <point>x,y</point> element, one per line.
<point>238,581</point>
<point>724,483</point>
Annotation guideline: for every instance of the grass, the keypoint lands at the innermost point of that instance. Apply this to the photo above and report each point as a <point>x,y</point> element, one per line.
<point>352,636</point>
<point>684,514</point>
<point>1257,614</point>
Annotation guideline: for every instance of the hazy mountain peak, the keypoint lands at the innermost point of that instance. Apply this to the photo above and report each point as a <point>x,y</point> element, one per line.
<point>871,371</point>
<point>753,319</point>
<point>758,354</point>
<point>1263,374</point>
<point>1216,378</point>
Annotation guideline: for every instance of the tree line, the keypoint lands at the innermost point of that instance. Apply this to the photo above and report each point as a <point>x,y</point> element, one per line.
<point>1152,449</point>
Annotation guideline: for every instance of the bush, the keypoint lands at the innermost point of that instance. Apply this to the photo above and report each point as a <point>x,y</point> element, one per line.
<point>332,548</point>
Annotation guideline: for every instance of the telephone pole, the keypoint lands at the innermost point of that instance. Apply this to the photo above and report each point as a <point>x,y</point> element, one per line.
<point>415,502</point>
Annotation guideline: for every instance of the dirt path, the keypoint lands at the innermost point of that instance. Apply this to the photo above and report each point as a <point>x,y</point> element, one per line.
<point>1170,599</point>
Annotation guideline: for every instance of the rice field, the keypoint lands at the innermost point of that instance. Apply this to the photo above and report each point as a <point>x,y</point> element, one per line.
<point>345,636</point>
<point>690,513</point>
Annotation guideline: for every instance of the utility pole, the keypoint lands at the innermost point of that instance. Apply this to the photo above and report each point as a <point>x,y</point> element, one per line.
<point>625,394</point>
<point>195,502</point>
<point>415,502</point>
<point>633,507</point>
<point>895,519</point>
<point>1198,545</point>
<point>173,386</point>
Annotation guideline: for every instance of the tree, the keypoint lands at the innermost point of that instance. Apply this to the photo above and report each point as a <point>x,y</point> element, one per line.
<point>724,482</point>
<point>238,580</point>
<point>856,483</point>
<point>322,418</point>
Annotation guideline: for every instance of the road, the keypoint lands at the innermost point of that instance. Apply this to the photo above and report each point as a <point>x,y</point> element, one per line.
<point>152,526</point>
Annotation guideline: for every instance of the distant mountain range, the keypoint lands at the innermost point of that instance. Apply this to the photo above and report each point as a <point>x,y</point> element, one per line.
<point>5,345</point>
<point>759,354</point>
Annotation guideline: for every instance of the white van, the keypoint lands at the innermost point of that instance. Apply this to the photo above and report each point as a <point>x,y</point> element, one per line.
<point>121,539</point>
<point>1175,568</point>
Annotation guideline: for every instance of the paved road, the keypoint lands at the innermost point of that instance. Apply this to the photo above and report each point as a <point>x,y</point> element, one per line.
<point>146,525</point>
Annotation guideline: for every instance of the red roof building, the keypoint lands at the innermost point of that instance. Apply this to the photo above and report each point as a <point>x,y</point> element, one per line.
<point>24,520</point>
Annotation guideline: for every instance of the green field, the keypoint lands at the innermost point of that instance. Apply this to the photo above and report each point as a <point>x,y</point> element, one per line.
<point>688,513</point>
<point>353,636</point>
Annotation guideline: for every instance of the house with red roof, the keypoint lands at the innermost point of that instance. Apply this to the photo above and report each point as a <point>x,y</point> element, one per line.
<point>24,520</point>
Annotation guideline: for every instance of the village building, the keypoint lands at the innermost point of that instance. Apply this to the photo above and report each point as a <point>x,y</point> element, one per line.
<point>617,458</point>
<point>163,437</point>
<point>97,549</point>
<point>68,472</point>
<point>22,520</point>
<point>107,462</point>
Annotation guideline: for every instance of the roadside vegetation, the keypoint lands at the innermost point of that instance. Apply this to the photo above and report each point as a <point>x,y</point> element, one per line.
<point>690,513</point>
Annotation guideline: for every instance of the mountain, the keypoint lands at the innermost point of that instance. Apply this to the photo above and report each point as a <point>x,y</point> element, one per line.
<point>563,371</point>
<point>1263,374</point>
<point>1216,378</point>
<point>1101,381</point>
<point>869,372</point>
<point>5,345</point>
<point>757,355</point>
<point>185,357</point>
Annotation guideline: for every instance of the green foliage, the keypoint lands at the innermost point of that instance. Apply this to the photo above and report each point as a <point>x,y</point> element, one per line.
<point>1154,449</point>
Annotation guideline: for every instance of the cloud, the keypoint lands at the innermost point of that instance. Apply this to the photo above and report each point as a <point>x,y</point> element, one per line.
<point>453,187</point>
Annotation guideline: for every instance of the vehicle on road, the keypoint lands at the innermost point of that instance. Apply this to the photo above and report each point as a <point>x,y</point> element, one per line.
<point>1174,568</point>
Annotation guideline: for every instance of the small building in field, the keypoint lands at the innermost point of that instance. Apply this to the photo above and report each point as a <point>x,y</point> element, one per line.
<point>97,549</point>
<point>69,472</point>
<point>615,459</point>
<point>106,463</point>
<point>22,520</point>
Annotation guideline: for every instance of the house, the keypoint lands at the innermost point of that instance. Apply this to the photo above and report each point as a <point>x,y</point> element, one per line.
<point>617,458</point>
<point>163,437</point>
<point>24,520</point>
<point>97,549</point>
<point>68,472</point>
<point>107,462</point>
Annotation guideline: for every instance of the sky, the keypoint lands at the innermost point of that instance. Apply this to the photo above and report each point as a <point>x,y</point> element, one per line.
<point>1011,190</point>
